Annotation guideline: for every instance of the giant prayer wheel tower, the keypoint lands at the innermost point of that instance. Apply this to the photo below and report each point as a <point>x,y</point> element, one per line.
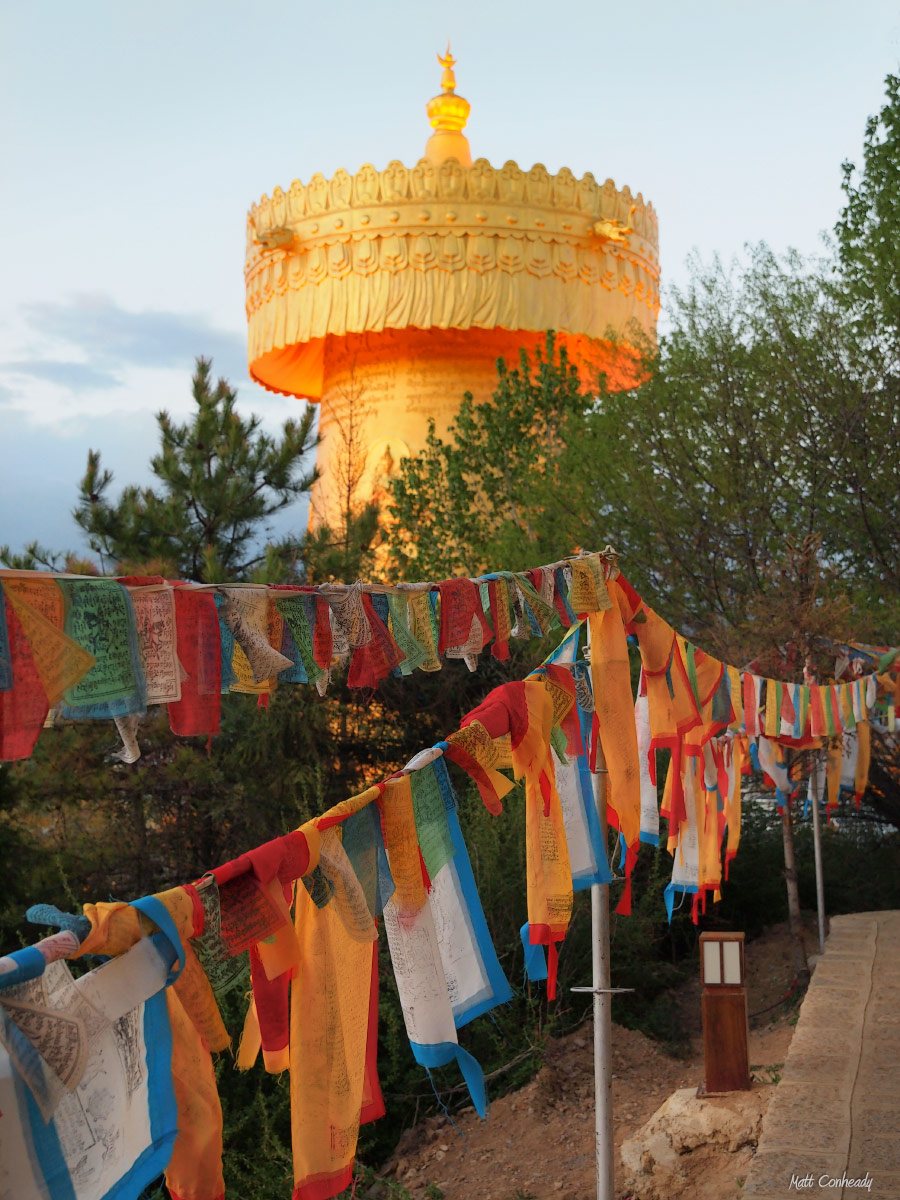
<point>386,295</point>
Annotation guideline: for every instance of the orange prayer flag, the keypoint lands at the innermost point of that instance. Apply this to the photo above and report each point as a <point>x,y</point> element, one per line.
<point>59,660</point>
<point>614,706</point>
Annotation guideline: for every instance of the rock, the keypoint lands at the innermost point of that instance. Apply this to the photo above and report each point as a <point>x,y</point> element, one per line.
<point>657,1159</point>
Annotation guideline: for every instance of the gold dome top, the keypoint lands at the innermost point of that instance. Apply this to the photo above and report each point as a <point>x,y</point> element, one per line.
<point>448,114</point>
<point>444,245</point>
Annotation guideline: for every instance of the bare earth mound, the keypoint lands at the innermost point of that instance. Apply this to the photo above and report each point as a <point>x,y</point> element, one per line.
<point>539,1141</point>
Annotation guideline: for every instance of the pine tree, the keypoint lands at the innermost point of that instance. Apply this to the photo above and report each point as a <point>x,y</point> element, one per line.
<point>220,479</point>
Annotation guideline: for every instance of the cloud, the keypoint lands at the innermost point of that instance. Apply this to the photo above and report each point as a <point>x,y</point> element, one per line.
<point>109,336</point>
<point>66,364</point>
<point>76,376</point>
<point>63,361</point>
<point>55,406</point>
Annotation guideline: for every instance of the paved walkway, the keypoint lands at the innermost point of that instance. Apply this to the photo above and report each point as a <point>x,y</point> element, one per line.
<point>835,1115</point>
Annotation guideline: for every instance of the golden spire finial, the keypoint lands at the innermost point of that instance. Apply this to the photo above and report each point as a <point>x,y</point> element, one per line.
<point>448,114</point>
<point>448,62</point>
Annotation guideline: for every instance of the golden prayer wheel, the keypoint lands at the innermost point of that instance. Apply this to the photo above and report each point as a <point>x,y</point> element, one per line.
<point>386,295</point>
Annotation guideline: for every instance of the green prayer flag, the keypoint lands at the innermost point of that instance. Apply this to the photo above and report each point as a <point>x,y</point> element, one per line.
<point>293,610</point>
<point>100,618</point>
<point>432,826</point>
<point>414,653</point>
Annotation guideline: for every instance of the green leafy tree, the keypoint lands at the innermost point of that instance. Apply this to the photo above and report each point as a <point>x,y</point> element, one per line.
<point>867,280</point>
<point>220,479</point>
<point>766,420</point>
<point>868,245</point>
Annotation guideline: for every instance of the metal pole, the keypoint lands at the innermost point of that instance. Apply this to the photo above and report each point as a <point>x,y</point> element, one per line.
<point>603,1122</point>
<point>817,848</point>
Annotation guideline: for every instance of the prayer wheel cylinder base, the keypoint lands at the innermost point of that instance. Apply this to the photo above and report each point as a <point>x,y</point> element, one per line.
<point>379,391</point>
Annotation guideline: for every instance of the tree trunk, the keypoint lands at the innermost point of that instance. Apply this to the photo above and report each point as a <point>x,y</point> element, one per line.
<point>801,967</point>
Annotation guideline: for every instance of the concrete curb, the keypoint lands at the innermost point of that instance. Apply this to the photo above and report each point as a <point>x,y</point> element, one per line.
<point>833,1125</point>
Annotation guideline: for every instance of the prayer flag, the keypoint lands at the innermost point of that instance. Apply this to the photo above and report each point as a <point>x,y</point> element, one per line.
<point>107,1036</point>
<point>60,661</point>
<point>154,617</point>
<point>6,668</point>
<point>199,651</point>
<point>24,706</point>
<point>100,618</point>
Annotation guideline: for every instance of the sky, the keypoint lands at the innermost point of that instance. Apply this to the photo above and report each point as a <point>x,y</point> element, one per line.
<point>135,137</point>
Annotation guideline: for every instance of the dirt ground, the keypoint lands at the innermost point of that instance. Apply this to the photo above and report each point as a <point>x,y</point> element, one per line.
<point>538,1143</point>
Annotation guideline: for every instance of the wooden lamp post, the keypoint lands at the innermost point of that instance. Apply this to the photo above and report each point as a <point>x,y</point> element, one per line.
<point>724,1008</point>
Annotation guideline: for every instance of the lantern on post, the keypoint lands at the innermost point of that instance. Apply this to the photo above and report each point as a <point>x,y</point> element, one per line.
<point>726,1050</point>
